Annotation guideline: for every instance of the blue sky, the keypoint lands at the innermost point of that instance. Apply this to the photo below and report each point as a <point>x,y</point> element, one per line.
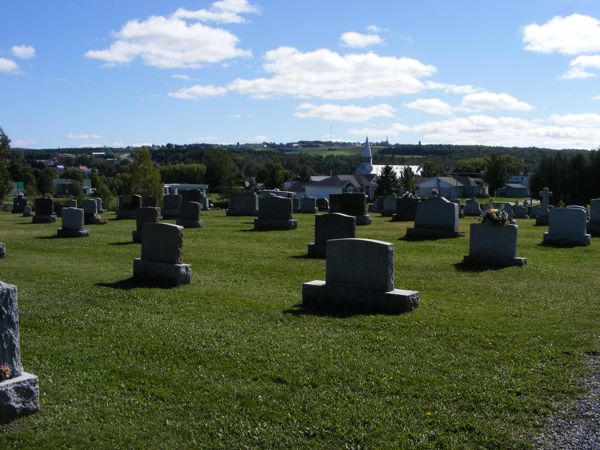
<point>130,72</point>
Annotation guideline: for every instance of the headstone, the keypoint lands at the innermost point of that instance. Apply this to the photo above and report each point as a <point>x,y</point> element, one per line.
<point>189,215</point>
<point>542,217</point>
<point>205,202</point>
<point>128,204</point>
<point>593,226</point>
<point>143,217</point>
<point>389,206</point>
<point>150,202</point>
<point>71,203</point>
<point>567,226</point>
<point>57,207</point>
<point>461,211</point>
<point>509,209</point>
<point>191,195</point>
<point>19,204</point>
<point>90,210</point>
<point>359,274</point>
<point>2,250</point>
<point>44,211</point>
<point>243,204</point>
<point>520,212</point>
<point>295,204</point>
<point>351,204</point>
<point>493,245</point>
<point>472,207</point>
<point>331,226</point>
<point>545,195</point>
<point>171,205</point>
<point>72,223</point>
<point>19,390</point>
<point>534,211</point>
<point>275,213</point>
<point>27,211</point>
<point>377,205</point>
<point>99,205</point>
<point>308,205</point>
<point>162,256</point>
<point>406,208</point>
<point>435,218</point>
<point>323,204</point>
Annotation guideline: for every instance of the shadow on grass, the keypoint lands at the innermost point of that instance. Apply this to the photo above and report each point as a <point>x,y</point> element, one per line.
<point>52,236</point>
<point>475,267</point>
<point>422,239</point>
<point>336,312</point>
<point>122,243</point>
<point>131,283</point>
<point>559,245</point>
<point>305,256</point>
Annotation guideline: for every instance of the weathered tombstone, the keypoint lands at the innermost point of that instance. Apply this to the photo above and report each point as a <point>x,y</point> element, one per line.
<point>472,207</point>
<point>243,204</point>
<point>593,226</point>
<point>99,205</point>
<point>162,256</point>
<point>331,226</point>
<point>72,223</point>
<point>435,218</point>
<point>191,195</point>
<point>493,245</point>
<point>189,215</point>
<point>520,212</point>
<point>323,204</point>
<point>71,203</point>
<point>567,226</point>
<point>27,211</point>
<point>143,217</point>
<point>19,390</point>
<point>544,213</point>
<point>388,208</point>
<point>171,205</point>
<point>275,213</point>
<point>44,211</point>
<point>406,208</point>
<point>359,273</point>
<point>19,204</point>
<point>461,211</point>
<point>128,204</point>
<point>308,205</point>
<point>351,204</point>
<point>2,250</point>
<point>90,210</point>
<point>150,202</point>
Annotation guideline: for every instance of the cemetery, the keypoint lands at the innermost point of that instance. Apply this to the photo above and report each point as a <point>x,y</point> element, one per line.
<point>238,352</point>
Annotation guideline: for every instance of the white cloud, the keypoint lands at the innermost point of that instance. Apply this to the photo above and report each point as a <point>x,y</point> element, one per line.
<point>198,91</point>
<point>430,106</point>
<point>223,11</point>
<point>260,138</point>
<point>393,130</point>
<point>586,120</point>
<point>23,51</point>
<point>456,89</point>
<point>344,113</point>
<point>597,97</point>
<point>374,29</point>
<point>8,66</point>
<point>83,136</point>
<point>181,77</point>
<point>579,67</point>
<point>359,40</point>
<point>170,42</point>
<point>490,100</point>
<point>571,35</point>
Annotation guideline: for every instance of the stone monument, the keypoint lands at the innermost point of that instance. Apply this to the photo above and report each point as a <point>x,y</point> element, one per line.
<point>44,211</point>
<point>275,213</point>
<point>189,215</point>
<point>331,226</point>
<point>143,217</point>
<point>351,204</point>
<point>493,245</point>
<point>435,218</point>
<point>308,205</point>
<point>567,226</point>
<point>72,223</point>
<point>243,204</point>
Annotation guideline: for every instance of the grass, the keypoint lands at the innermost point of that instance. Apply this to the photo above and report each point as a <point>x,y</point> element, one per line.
<point>232,361</point>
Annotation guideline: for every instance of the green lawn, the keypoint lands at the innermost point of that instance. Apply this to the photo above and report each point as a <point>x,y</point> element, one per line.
<point>232,361</point>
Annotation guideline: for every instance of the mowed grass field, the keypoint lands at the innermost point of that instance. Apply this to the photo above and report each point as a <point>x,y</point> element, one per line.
<point>232,360</point>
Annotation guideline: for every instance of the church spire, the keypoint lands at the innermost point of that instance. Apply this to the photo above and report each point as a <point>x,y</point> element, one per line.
<point>366,161</point>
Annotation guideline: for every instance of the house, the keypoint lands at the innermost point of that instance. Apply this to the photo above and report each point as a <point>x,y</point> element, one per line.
<point>517,186</point>
<point>454,186</point>
<point>61,186</point>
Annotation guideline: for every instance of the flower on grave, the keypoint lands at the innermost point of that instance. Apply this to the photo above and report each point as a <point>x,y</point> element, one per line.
<point>5,372</point>
<point>496,217</point>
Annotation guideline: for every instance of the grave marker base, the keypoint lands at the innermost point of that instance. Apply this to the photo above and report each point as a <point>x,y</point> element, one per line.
<point>153,272</point>
<point>566,241</point>
<point>19,396</point>
<point>503,262</point>
<point>61,232</point>
<point>189,223</point>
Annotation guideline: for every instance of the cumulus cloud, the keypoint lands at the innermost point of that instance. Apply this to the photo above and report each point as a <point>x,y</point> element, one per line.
<point>223,11</point>
<point>597,97</point>
<point>181,77</point>
<point>571,35</point>
<point>490,100</point>
<point>198,91</point>
<point>430,106</point>
<point>579,67</point>
<point>173,42</point>
<point>23,51</point>
<point>359,40</point>
<point>344,113</point>
<point>8,66</point>
<point>83,136</point>
<point>455,89</point>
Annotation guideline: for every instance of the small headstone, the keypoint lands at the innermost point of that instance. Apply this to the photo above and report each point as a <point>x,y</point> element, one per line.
<point>19,204</point>
<point>472,207</point>
<point>493,245</point>
<point>406,208</point>
<point>2,250</point>
<point>520,212</point>
<point>359,274</point>
<point>128,204</point>
<point>351,204</point>
<point>72,223</point>
<point>593,226</point>
<point>44,211</point>
<point>389,206</point>
<point>71,204</point>
<point>567,226</point>
<point>331,226</point>
<point>243,204</point>
<point>189,215</point>
<point>308,205</point>
<point>162,256</point>
<point>27,211</point>
<point>436,218</point>
<point>275,213</point>
<point>19,390</point>
<point>143,217</point>
<point>99,205</point>
<point>323,204</point>
<point>171,205</point>
<point>542,218</point>
<point>509,209</point>
<point>90,209</point>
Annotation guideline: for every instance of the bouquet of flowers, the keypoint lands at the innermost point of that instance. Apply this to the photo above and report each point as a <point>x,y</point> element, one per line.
<point>495,217</point>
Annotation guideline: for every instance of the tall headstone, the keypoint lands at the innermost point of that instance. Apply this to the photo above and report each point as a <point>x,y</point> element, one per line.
<point>162,256</point>
<point>308,205</point>
<point>493,245</point>
<point>472,207</point>
<point>19,204</point>
<point>27,211</point>
<point>19,390</point>
<point>171,205</point>
<point>544,213</point>
<point>359,273</point>
<point>99,205</point>
<point>435,218</point>
<point>567,226</point>
<point>351,204</point>
<point>90,210</point>
<point>243,204</point>
<point>72,223</point>
<point>406,208</point>
<point>593,226</point>
<point>275,213</point>
<point>331,226</point>
<point>144,216</point>
<point>44,211</point>
<point>189,215</point>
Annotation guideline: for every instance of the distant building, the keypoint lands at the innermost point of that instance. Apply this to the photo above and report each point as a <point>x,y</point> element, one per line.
<point>61,186</point>
<point>517,186</point>
<point>454,186</point>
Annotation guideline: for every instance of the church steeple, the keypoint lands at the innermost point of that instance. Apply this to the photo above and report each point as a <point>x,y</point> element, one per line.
<point>366,161</point>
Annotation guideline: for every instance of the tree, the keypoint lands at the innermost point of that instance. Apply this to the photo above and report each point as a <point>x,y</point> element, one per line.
<point>45,178</point>
<point>429,169</point>
<point>5,181</point>
<point>499,169</point>
<point>23,172</point>
<point>145,178</point>
<point>183,173</point>
<point>407,180</point>
<point>222,175</point>
<point>76,191</point>
<point>273,175</point>
<point>471,165</point>
<point>387,182</point>
<point>101,189</point>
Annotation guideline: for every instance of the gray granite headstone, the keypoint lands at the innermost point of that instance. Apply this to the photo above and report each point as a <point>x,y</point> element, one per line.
<point>19,204</point>
<point>331,226</point>
<point>27,211</point>
<point>189,215</point>
<point>171,205</point>
<point>44,211</point>
<point>243,204</point>
<point>275,213</point>
<point>567,226</point>
<point>593,225</point>
<point>389,206</point>
<point>406,208</point>
<point>323,204</point>
<point>308,205</point>
<point>143,217</point>
<point>90,209</point>
<point>351,204</point>
<point>72,223</point>
<point>472,207</point>
<point>493,245</point>
<point>435,218</point>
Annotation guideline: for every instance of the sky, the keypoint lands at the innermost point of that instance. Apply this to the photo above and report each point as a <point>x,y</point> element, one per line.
<point>77,73</point>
